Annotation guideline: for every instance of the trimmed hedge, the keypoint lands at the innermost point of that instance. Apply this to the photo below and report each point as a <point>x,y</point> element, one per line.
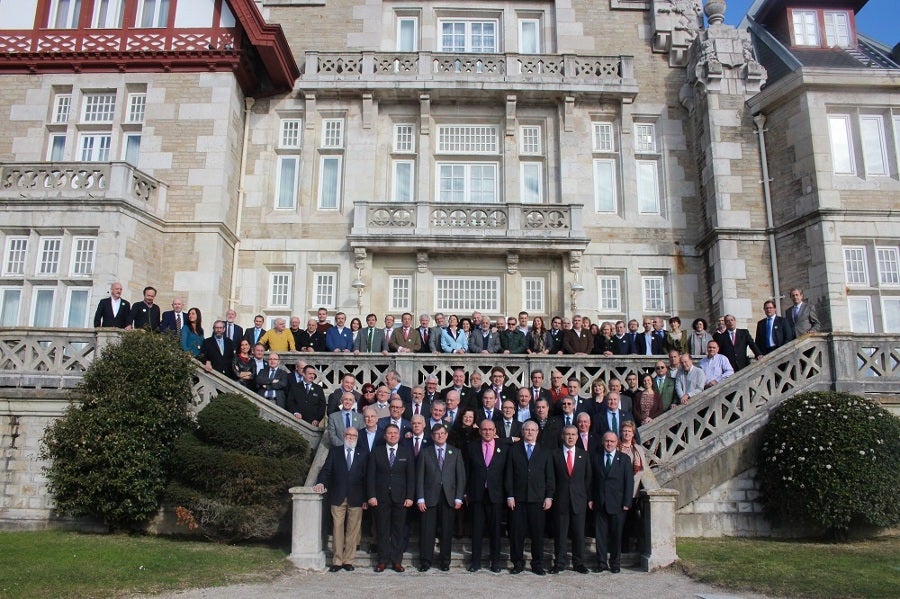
<point>831,460</point>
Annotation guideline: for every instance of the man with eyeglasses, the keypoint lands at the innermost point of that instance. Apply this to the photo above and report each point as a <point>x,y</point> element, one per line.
<point>502,391</point>
<point>664,384</point>
<point>558,390</point>
<point>513,340</point>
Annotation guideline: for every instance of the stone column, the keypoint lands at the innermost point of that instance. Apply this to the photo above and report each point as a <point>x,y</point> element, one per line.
<point>306,529</point>
<point>659,525</point>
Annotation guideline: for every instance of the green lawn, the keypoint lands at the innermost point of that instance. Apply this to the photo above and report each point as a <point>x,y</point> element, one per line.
<point>865,569</point>
<point>63,564</point>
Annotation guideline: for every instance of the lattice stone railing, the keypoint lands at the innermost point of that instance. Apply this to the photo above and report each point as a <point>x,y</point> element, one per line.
<point>119,40</point>
<point>77,180</point>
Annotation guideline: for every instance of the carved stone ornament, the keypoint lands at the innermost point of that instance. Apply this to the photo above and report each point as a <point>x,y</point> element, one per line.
<point>575,261</point>
<point>512,263</point>
<point>422,261</point>
<point>359,258</point>
<point>675,25</point>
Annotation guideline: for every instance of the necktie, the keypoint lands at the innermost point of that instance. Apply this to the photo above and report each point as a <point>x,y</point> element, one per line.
<point>371,337</point>
<point>230,331</point>
<point>769,332</point>
<point>488,454</point>
<point>506,425</point>
<point>608,461</point>
<point>570,461</point>
<point>416,409</point>
<point>659,382</point>
<point>347,421</point>
<point>441,458</point>
<point>417,446</point>
<point>568,420</point>
<point>271,373</point>
<point>584,440</point>
<point>528,449</point>
<point>731,334</point>
<point>536,394</point>
<point>308,387</point>
<point>391,457</point>
<point>221,345</point>
<point>450,413</point>
<point>488,414</point>
<point>424,335</point>
<point>796,312</point>
<point>349,458</point>
<point>406,334</point>
<point>178,321</point>
<point>615,424</point>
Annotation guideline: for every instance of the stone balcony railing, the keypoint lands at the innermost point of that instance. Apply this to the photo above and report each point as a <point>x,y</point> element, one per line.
<point>118,40</point>
<point>50,182</point>
<point>597,74</point>
<point>549,227</point>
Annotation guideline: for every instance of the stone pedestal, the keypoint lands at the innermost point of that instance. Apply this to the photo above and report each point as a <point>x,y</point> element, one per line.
<point>306,529</point>
<point>660,527</point>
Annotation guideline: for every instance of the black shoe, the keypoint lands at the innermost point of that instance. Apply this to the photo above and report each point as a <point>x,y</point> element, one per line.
<point>518,569</point>
<point>473,569</point>
<point>538,570</point>
<point>334,568</point>
<point>444,568</point>
<point>601,568</point>
<point>554,570</point>
<point>349,567</point>
<point>424,568</point>
<point>581,569</point>
<point>496,569</point>
<point>615,570</point>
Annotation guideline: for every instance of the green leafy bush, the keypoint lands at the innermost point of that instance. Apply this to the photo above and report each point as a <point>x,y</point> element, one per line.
<point>111,451</point>
<point>232,474</point>
<point>831,460</point>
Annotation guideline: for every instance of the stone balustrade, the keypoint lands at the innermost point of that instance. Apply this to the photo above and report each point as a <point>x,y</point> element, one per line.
<point>118,40</point>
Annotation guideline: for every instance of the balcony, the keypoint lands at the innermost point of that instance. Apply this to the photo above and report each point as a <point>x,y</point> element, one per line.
<point>454,227</point>
<point>55,183</point>
<point>606,75</point>
<point>68,41</point>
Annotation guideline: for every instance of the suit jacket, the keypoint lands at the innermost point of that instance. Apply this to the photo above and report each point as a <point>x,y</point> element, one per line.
<point>485,483</point>
<point>237,334</point>
<point>142,317</point>
<point>781,334</point>
<point>600,424</point>
<point>478,342</point>
<point>507,392</point>
<point>737,352</point>
<point>249,334</point>
<point>572,492</point>
<point>342,340</point>
<point>408,442</point>
<point>427,337</point>
<point>391,484</point>
<point>594,443</point>
<point>278,384</point>
<point>526,480</point>
<point>379,342</point>
<point>220,361</point>
<point>424,410</point>
<point>613,490</point>
<point>311,405</point>
<point>514,341</point>
<point>805,322</point>
<point>515,430</point>
<point>340,482</point>
<point>574,343</point>
<point>405,425</point>
<point>337,427</point>
<point>104,316</point>
<point>549,437</point>
<point>412,343</point>
<point>434,483</point>
<point>556,340</point>
<point>167,322</point>
<point>666,391</point>
<point>640,345</point>
<point>334,400</point>
<point>468,397</point>
<point>306,340</point>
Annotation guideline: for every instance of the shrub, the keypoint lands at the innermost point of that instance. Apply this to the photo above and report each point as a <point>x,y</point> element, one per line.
<point>233,473</point>
<point>831,460</point>
<point>111,451</point>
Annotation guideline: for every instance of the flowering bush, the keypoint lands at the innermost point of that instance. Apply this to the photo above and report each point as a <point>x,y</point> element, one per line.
<point>831,460</point>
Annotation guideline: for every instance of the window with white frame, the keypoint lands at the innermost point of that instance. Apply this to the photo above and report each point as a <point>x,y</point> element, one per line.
<point>654,293</point>
<point>400,293</point>
<point>647,186</point>
<point>64,14</point>
<point>874,149</point>
<point>280,289</point>
<point>890,312</point>
<point>16,254</point>
<point>83,253</point>
<point>108,14</point>
<point>888,269</point>
<point>131,148</point>
<point>48,262</point>
<point>404,139</point>
<point>330,182</point>
<point>605,185</point>
<point>62,106</point>
<point>77,308</point>
<point>842,160</point>
<point>532,179</point>
<point>467,294</point>
<point>603,137</point>
<point>645,138</point>
<point>467,139</point>
<point>136,106</point>
<point>402,180</point>
<point>609,290</point>
<point>94,147</point>
<point>10,302</point>
<point>56,150</point>
<point>477,36</point>
<point>152,13</point>
<point>42,304</point>
<point>533,294</point>
<point>860,314</point>
<point>530,140</point>
<point>287,172</point>
<point>407,34</point>
<point>324,289</point>
<point>855,266</point>
<point>529,36</point>
<point>467,182</point>
<point>333,133</point>
<point>806,27</point>
<point>99,107</point>
<point>290,134</point>
<point>837,28</point>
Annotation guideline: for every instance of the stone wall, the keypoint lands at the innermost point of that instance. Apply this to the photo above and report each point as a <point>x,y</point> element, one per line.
<point>730,509</point>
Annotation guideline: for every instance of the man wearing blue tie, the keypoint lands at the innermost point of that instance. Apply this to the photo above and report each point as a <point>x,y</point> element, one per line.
<point>343,419</point>
<point>773,331</point>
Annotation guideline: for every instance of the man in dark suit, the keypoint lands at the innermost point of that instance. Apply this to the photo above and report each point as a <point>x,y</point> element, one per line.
<point>489,410</point>
<point>217,352</point>
<point>112,311</point>
<point>418,438</point>
<point>801,315</point>
<point>392,380</point>
<point>537,389</point>
<point>648,343</point>
<point>611,418</point>
<point>370,436</point>
<point>256,333</point>
<point>233,331</point>
<point>172,320</point>
<point>418,405</point>
<point>343,476</point>
<point>426,332</point>
<point>145,314</point>
<point>530,485</point>
<point>734,343</point>
<point>306,400</point>
<point>348,385</point>
<point>621,341</point>
<point>548,437</point>
<point>525,405</point>
<point>502,391</point>
<point>509,429</point>
<point>486,459</point>
<point>391,486</point>
<point>272,383</point>
<point>370,339</point>
<point>440,486</point>
<point>467,396</point>
<point>578,340</point>
<point>396,409</point>
<point>587,440</point>
<point>612,494</point>
<point>773,331</point>
<point>572,471</point>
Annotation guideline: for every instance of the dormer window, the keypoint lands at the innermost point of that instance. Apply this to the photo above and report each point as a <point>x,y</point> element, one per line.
<point>806,27</point>
<point>822,28</point>
<point>837,28</point>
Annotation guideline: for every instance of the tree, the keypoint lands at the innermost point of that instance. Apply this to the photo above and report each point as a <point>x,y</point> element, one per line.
<point>831,460</point>
<point>111,451</point>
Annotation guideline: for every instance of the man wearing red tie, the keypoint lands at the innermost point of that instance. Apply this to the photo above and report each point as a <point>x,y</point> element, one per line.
<point>405,338</point>
<point>573,481</point>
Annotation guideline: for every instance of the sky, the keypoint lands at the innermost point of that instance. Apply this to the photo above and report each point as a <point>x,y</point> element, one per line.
<point>879,19</point>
